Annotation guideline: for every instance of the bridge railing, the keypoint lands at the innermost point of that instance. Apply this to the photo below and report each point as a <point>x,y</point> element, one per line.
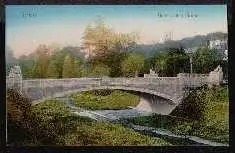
<point>157,84</point>
<point>61,82</point>
<point>174,82</point>
<point>170,85</point>
<point>135,81</point>
<point>194,81</point>
<point>160,80</point>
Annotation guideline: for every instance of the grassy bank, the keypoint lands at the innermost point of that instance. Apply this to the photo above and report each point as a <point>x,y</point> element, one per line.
<point>105,99</point>
<point>74,130</point>
<point>51,123</point>
<point>212,122</point>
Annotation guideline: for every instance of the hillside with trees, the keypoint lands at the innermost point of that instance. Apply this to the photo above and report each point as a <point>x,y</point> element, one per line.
<point>105,52</point>
<point>188,42</point>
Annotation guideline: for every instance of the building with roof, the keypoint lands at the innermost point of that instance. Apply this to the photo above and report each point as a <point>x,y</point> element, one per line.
<point>220,45</point>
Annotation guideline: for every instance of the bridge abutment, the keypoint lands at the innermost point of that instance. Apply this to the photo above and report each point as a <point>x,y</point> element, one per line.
<point>155,104</point>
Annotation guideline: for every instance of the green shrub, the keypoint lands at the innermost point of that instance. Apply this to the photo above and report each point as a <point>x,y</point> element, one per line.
<point>68,129</point>
<point>204,113</point>
<point>100,133</point>
<point>18,117</point>
<point>51,109</point>
<point>23,124</point>
<point>105,99</point>
<point>102,92</point>
<point>51,123</point>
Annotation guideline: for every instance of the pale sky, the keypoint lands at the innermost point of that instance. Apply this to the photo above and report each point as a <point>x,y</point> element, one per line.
<point>64,24</point>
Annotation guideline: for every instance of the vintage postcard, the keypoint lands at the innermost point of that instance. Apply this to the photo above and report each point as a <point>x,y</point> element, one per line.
<point>117,75</point>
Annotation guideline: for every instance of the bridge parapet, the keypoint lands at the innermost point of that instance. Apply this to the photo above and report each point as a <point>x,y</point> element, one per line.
<point>170,85</point>
<point>58,82</point>
<point>193,80</point>
<point>139,80</point>
<point>193,75</point>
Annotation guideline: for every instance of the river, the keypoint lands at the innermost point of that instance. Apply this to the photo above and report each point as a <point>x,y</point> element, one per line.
<point>120,116</point>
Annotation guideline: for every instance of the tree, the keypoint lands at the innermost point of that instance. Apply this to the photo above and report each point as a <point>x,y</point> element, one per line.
<point>150,62</point>
<point>101,70</point>
<point>26,64</point>
<point>113,61</point>
<point>58,62</point>
<point>125,42</point>
<point>171,62</point>
<point>43,60</point>
<point>132,65</point>
<point>104,46</point>
<point>68,67</point>
<point>96,40</point>
<point>100,40</point>
<point>77,67</point>
<point>206,60</point>
<point>36,70</point>
<point>115,64</point>
<point>51,71</point>
<point>161,64</point>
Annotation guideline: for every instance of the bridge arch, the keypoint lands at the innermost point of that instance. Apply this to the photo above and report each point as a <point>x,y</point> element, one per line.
<point>167,97</point>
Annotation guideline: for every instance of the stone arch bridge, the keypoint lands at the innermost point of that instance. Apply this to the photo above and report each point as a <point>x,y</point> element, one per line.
<point>169,90</point>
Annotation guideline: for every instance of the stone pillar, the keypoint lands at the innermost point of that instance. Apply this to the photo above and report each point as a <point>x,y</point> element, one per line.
<point>15,79</point>
<point>215,77</point>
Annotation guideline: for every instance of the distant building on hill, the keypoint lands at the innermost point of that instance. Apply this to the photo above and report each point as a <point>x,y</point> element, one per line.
<point>167,37</point>
<point>220,45</point>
